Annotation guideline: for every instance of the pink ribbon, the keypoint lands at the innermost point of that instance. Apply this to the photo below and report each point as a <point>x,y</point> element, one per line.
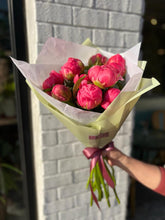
<point>95,154</point>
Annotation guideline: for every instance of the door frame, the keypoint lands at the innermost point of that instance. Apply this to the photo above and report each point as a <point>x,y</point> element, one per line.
<point>19,50</point>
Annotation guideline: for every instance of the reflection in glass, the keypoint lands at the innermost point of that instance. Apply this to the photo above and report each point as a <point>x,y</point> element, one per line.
<point>11,196</point>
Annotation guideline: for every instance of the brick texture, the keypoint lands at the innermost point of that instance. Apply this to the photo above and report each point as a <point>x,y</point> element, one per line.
<point>113,5</point>
<point>81,3</point>
<point>90,18</point>
<point>114,26</point>
<point>121,21</point>
<point>53,13</point>
<point>108,38</point>
<point>67,33</point>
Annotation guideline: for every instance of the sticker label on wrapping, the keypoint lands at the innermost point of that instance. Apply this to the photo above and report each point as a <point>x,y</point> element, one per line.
<point>102,135</point>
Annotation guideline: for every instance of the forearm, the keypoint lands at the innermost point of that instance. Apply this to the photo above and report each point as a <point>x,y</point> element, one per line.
<point>147,174</point>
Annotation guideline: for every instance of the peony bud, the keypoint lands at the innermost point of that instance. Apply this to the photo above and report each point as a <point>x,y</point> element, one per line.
<point>102,76</point>
<point>78,62</point>
<point>89,96</point>
<point>71,68</point>
<point>97,59</point>
<point>109,96</point>
<point>120,60</point>
<point>54,78</point>
<point>62,93</point>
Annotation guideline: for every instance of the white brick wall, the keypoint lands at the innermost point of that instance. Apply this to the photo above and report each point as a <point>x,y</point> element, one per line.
<point>61,168</point>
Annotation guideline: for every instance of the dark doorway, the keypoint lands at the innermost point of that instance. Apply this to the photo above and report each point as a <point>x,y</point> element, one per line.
<point>153,44</point>
<point>17,192</point>
<point>148,140</point>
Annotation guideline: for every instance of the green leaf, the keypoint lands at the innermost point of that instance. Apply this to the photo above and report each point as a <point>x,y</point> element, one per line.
<point>99,84</point>
<point>10,181</point>
<point>76,86</point>
<point>48,89</point>
<point>2,200</point>
<point>71,103</point>
<point>68,83</point>
<point>120,84</point>
<point>8,166</point>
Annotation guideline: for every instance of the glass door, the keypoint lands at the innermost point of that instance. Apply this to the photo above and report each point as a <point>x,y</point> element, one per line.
<point>17,191</point>
<point>12,204</point>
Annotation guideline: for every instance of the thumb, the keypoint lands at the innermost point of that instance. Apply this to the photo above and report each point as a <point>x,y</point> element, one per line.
<point>110,162</point>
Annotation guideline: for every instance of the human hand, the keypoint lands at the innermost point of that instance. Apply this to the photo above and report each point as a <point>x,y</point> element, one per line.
<point>113,156</point>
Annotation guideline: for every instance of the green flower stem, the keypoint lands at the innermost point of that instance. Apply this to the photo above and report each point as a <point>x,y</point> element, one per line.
<point>96,181</point>
<point>113,175</point>
<point>90,179</point>
<point>91,202</point>
<point>103,183</point>
<point>93,185</point>
<point>110,174</point>
<point>114,180</point>
<point>98,184</point>
<point>117,198</point>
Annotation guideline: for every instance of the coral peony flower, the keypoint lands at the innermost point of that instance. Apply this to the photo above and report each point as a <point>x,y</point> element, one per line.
<point>54,78</point>
<point>97,59</point>
<point>62,93</point>
<point>72,67</point>
<point>109,96</point>
<point>102,76</point>
<point>89,96</point>
<point>117,68</point>
<point>120,60</point>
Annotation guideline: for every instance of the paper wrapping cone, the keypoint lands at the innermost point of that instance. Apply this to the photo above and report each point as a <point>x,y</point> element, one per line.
<point>91,128</point>
<point>94,130</point>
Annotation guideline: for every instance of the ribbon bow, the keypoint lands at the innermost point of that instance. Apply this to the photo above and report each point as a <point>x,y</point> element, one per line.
<point>95,154</point>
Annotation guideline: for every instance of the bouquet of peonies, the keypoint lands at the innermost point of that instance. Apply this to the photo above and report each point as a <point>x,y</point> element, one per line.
<point>91,87</point>
<point>91,92</point>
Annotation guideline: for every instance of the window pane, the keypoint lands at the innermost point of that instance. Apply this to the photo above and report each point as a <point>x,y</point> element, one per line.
<point>11,183</point>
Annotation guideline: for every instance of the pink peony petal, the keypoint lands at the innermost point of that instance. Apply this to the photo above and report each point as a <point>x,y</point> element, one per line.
<point>109,96</point>
<point>54,78</point>
<point>120,60</point>
<point>102,76</point>
<point>89,96</point>
<point>72,67</point>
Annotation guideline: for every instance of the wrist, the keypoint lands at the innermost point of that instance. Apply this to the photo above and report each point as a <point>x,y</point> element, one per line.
<point>122,160</point>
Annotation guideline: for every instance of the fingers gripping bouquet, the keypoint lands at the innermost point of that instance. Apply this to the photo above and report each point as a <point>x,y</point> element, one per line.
<point>91,92</point>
